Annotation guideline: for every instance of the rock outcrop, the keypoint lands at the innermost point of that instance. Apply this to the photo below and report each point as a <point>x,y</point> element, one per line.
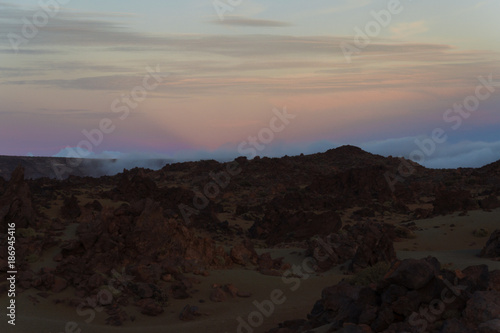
<point>364,243</point>
<point>492,247</point>
<point>414,296</point>
<point>16,203</point>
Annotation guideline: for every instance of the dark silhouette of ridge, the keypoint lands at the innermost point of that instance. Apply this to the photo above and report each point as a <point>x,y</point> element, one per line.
<point>340,158</point>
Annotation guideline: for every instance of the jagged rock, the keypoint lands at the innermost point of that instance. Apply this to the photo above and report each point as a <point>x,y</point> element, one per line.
<point>475,278</point>
<point>221,293</point>
<point>231,290</point>
<point>218,295</point>
<point>448,201</point>
<point>149,307</point>
<point>483,306</point>
<point>414,274</point>
<point>363,243</point>
<point>143,290</point>
<point>268,265</point>
<point>490,202</point>
<point>16,203</point>
<point>399,302</point>
<point>179,291</point>
<point>95,205</point>
<point>70,208</point>
<point>244,253</point>
<point>492,247</point>
<point>375,247</point>
<point>116,316</point>
<point>189,313</point>
<point>494,280</point>
<point>59,285</point>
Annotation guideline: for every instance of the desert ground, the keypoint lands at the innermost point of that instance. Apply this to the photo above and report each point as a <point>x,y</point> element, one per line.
<point>456,247</point>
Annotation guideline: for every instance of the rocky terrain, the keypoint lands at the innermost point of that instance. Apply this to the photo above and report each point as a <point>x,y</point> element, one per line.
<point>148,244</point>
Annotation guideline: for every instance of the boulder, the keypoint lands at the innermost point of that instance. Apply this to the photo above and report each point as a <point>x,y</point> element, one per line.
<point>189,313</point>
<point>364,243</point>
<point>492,247</point>
<point>218,295</point>
<point>149,307</point>
<point>70,208</point>
<point>375,247</point>
<point>483,306</point>
<point>413,273</point>
<point>244,253</point>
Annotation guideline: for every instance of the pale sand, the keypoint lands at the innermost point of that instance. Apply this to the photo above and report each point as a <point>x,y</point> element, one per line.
<point>221,317</point>
<point>455,249</point>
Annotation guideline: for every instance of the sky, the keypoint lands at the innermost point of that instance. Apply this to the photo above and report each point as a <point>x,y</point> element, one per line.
<point>198,79</point>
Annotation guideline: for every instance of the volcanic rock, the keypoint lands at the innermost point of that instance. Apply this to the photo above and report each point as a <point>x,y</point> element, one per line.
<point>448,201</point>
<point>70,208</point>
<point>244,253</point>
<point>363,243</point>
<point>189,313</point>
<point>414,274</point>
<point>492,247</point>
<point>483,306</point>
<point>16,203</point>
<point>149,307</point>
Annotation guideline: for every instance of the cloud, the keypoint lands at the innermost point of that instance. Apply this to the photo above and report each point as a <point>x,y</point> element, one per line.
<point>113,162</point>
<point>347,5</point>
<point>210,78</point>
<point>464,154</point>
<point>108,33</point>
<point>109,83</point>
<point>249,63</point>
<point>405,30</point>
<point>239,21</point>
<point>30,51</point>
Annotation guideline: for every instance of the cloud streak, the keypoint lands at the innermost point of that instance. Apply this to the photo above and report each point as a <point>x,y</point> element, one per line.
<point>238,21</point>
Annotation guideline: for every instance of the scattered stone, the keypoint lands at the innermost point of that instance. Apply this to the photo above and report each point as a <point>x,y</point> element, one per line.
<point>149,307</point>
<point>189,313</point>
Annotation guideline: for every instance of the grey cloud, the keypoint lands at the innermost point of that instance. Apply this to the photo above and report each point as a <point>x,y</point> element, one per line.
<point>238,21</point>
<point>320,55</point>
<point>75,113</point>
<point>447,155</point>
<point>51,67</point>
<point>266,45</point>
<point>84,30</point>
<point>72,66</point>
<point>30,51</point>
<point>110,82</point>
<point>217,77</point>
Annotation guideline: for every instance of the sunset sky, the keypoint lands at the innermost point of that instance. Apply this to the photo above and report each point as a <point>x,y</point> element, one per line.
<point>223,71</point>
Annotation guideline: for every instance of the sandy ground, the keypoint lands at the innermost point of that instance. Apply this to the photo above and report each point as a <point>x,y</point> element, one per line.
<point>449,238</point>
